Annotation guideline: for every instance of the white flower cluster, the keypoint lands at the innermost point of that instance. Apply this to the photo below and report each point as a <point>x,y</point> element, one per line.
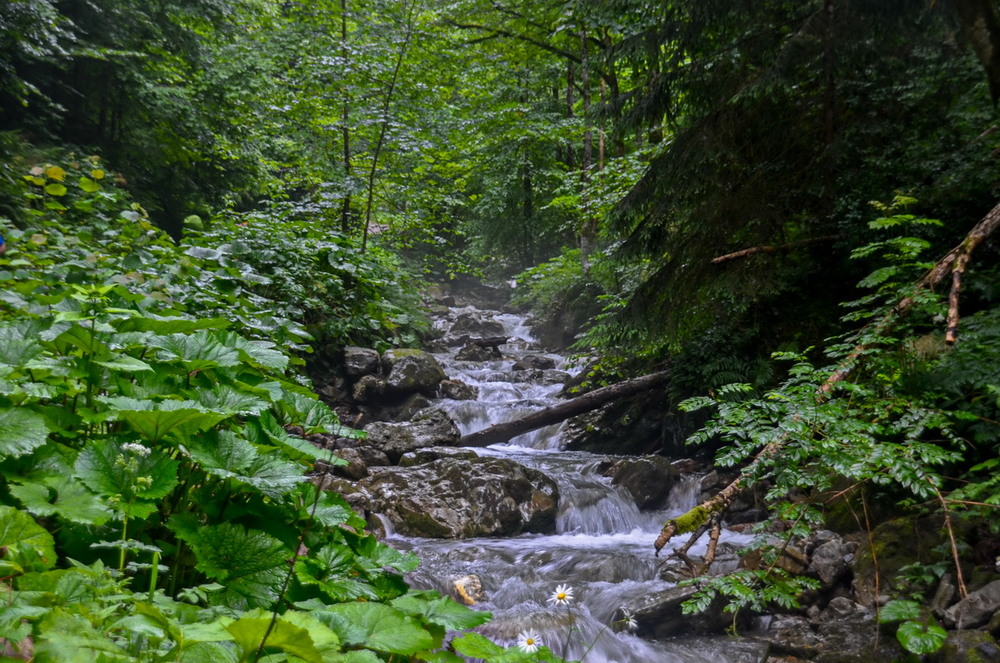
<point>136,448</point>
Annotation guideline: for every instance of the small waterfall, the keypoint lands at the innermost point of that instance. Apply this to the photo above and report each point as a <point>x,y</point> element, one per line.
<point>603,545</point>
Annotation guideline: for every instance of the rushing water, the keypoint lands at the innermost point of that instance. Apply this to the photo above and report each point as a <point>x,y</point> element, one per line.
<point>603,545</point>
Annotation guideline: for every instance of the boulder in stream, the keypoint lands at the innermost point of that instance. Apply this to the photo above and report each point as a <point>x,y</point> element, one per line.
<point>476,323</point>
<point>429,427</point>
<point>648,479</point>
<point>361,361</point>
<point>453,498</point>
<point>410,372</point>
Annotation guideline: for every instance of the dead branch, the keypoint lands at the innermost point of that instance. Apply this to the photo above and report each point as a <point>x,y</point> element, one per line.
<point>954,261</point>
<point>767,248</point>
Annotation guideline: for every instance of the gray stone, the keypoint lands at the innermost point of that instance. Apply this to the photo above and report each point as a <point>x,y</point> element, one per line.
<point>455,498</point>
<point>431,427</point>
<point>539,362</point>
<point>458,390</point>
<point>475,323</point>
<point>430,454</point>
<point>976,609</point>
<point>967,647</point>
<point>411,371</point>
<point>648,479</point>
<point>828,561</point>
<point>369,388</point>
<point>944,595</point>
<point>475,352</point>
<point>659,614</point>
<point>360,361</point>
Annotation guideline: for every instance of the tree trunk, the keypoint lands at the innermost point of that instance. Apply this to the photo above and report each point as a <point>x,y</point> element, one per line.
<point>551,415</point>
<point>981,27</point>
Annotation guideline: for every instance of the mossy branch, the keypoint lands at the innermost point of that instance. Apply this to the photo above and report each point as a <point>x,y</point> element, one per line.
<point>954,262</point>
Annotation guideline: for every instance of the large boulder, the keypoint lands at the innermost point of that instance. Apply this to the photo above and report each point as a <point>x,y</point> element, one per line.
<point>430,427</point>
<point>454,498</point>
<point>660,614</point>
<point>410,372</point>
<point>476,324</point>
<point>648,479</point>
<point>360,361</point>
<point>976,609</point>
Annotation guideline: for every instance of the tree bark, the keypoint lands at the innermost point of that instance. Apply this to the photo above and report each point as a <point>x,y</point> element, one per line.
<point>551,415</point>
<point>981,27</point>
<point>953,262</point>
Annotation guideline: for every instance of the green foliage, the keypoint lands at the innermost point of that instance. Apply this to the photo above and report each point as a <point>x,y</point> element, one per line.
<point>917,633</point>
<point>152,505</point>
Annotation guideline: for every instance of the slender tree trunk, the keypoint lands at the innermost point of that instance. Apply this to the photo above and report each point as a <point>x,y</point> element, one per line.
<point>587,224</point>
<point>384,126</point>
<point>981,28</point>
<point>345,132</point>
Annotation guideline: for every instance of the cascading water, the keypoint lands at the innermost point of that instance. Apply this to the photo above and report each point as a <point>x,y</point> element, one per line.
<point>602,547</point>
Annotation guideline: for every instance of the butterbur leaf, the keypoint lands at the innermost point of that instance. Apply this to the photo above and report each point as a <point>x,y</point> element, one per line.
<point>170,325</point>
<point>154,419</point>
<point>64,497</point>
<point>197,351</point>
<point>249,563</point>
<point>376,626</point>
<point>474,645</point>
<point>921,638</point>
<point>125,364</point>
<point>222,398</point>
<point>26,543</point>
<point>440,610</point>
<point>68,638</point>
<point>222,453</point>
<point>294,633</point>
<point>898,610</point>
<point>258,353</point>
<point>307,411</point>
<point>111,469</point>
<point>269,431</point>
<point>21,432</point>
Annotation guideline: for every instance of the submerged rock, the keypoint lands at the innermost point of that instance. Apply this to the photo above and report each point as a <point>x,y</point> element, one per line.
<point>454,498</point>
<point>648,479</point>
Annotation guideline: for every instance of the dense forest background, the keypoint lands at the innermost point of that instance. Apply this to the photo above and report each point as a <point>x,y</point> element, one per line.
<point>739,190</point>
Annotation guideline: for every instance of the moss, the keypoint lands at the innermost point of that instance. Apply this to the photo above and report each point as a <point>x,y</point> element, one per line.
<point>693,519</point>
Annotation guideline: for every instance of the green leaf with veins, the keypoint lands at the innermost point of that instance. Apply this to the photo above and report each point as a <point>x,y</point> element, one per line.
<point>21,432</point>
<point>154,419</point>
<point>112,469</point>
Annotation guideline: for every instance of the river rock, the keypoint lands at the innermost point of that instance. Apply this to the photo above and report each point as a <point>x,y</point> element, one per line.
<point>476,323</point>
<point>648,479</point>
<point>455,498</point>
<point>411,371</point>
<point>967,647</point>
<point>856,639</point>
<point>659,614</point>
<point>829,561</point>
<point>476,352</point>
<point>368,389</point>
<point>428,428</point>
<point>540,362</point>
<point>361,361</point>
<point>430,454</point>
<point>458,390</point>
<point>976,609</point>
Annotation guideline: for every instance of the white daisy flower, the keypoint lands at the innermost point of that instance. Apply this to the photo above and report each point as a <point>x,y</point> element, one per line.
<point>562,596</point>
<point>627,621</point>
<point>528,641</point>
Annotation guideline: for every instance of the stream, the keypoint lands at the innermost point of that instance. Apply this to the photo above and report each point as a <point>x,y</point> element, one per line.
<point>603,545</point>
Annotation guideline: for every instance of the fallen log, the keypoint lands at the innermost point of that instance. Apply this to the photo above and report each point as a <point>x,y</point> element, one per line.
<point>954,264</point>
<point>503,432</point>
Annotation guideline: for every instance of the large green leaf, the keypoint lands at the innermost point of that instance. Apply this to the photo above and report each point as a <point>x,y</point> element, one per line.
<point>307,411</point>
<point>154,419</point>
<point>113,469</point>
<point>227,455</point>
<point>440,610</point>
<point>21,432</point>
<point>164,325</point>
<point>64,497</point>
<point>377,626</point>
<point>197,351</point>
<point>257,353</point>
<point>66,638</point>
<point>224,398</point>
<point>295,633</point>
<point>27,544</point>
<point>250,564</point>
